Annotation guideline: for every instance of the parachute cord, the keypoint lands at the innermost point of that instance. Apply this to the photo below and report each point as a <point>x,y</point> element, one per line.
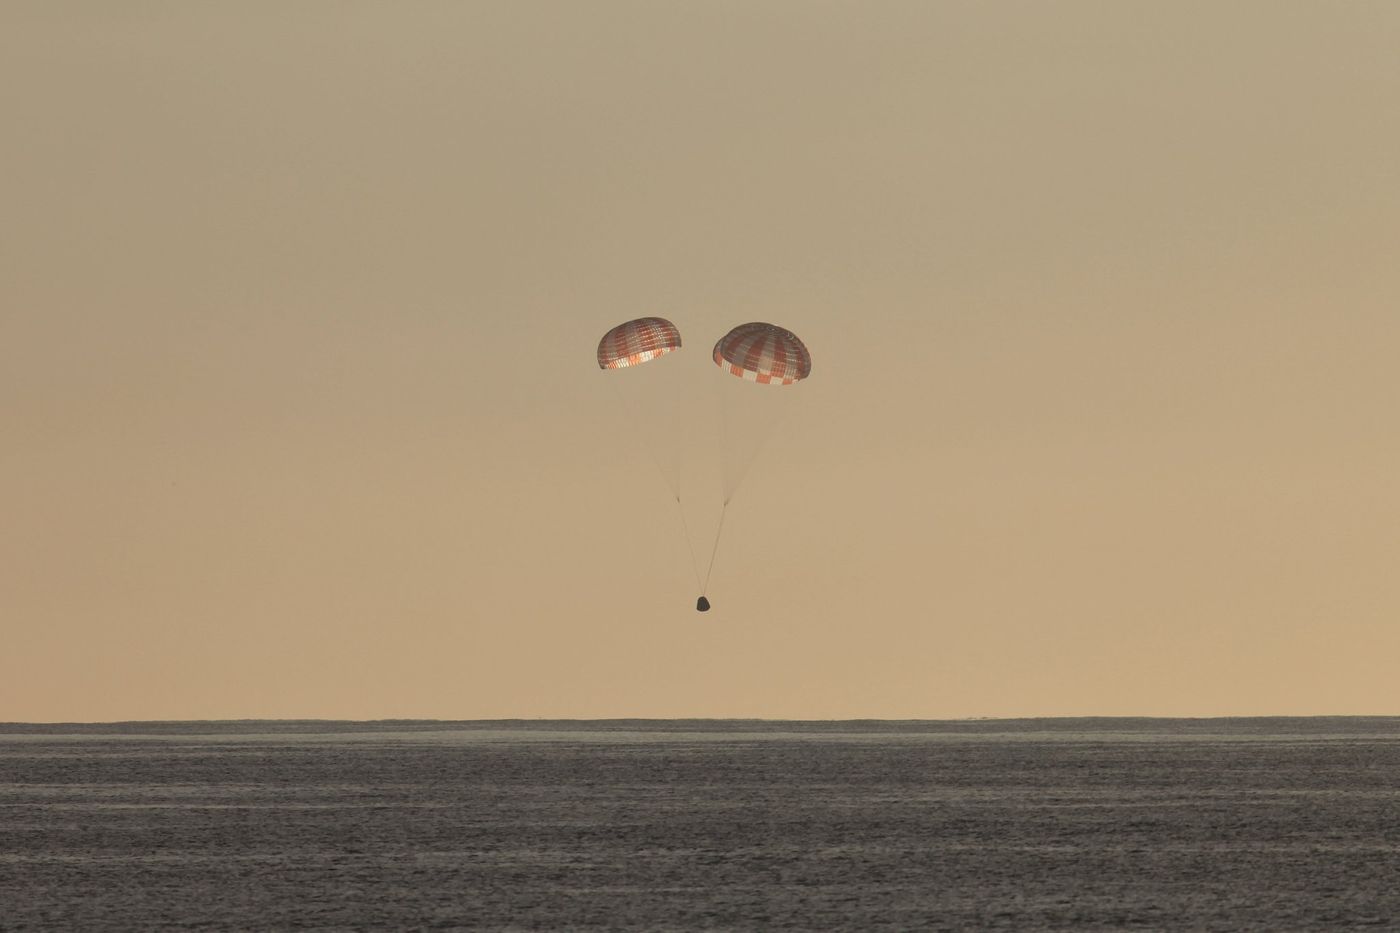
<point>724,509</point>
<point>689,542</point>
<point>674,485</point>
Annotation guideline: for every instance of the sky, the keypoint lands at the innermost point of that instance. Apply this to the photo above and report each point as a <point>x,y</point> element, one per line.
<point>301,415</point>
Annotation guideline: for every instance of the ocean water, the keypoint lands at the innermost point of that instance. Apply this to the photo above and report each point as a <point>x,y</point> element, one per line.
<point>1268,824</point>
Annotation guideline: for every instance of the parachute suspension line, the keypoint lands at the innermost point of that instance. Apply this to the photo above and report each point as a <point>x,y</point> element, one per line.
<point>724,510</point>
<point>724,430</point>
<point>670,477</point>
<point>745,427</point>
<point>685,527</point>
<point>690,543</point>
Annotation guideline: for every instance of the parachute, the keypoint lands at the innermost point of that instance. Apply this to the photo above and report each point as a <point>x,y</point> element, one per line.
<point>757,352</point>
<point>637,342</point>
<point>760,353</point>
<point>763,353</point>
<point>643,392</point>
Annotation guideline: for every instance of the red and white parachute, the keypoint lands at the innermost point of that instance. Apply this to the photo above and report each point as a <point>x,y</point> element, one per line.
<point>637,342</point>
<point>764,353</point>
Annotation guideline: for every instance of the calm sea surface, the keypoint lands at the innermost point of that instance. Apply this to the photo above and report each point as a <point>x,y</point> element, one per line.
<point>1269,824</point>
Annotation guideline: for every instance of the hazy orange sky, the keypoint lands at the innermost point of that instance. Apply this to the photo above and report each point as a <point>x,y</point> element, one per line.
<point>301,418</point>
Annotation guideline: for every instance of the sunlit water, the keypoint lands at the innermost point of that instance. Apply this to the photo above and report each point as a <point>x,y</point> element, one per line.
<point>1054,824</point>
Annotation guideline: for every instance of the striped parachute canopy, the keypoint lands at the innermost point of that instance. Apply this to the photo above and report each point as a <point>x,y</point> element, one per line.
<point>637,342</point>
<point>763,353</point>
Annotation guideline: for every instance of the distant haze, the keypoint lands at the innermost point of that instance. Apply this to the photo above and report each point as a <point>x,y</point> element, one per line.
<point>299,412</point>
